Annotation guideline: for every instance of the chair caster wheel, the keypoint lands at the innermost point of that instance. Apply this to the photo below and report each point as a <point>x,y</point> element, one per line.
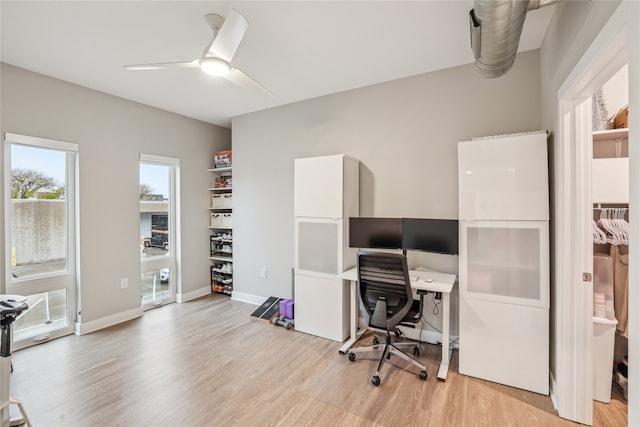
<point>398,333</point>
<point>423,375</point>
<point>375,380</point>
<point>416,351</point>
<point>375,341</point>
<point>352,357</point>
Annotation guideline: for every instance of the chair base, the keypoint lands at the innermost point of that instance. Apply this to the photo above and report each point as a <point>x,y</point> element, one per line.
<point>389,348</point>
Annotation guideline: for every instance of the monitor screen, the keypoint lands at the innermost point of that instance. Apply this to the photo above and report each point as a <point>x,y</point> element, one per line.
<point>430,235</point>
<point>375,233</point>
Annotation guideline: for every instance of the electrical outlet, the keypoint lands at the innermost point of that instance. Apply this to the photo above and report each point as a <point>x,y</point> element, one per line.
<point>124,282</point>
<point>263,273</point>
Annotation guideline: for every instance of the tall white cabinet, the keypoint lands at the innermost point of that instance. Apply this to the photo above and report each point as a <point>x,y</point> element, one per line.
<point>326,194</point>
<point>504,260</point>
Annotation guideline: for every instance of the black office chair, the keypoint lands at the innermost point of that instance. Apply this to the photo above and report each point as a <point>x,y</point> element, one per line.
<point>385,292</point>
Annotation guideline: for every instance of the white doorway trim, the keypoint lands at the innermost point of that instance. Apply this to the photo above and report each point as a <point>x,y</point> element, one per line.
<point>617,44</point>
<point>170,260</point>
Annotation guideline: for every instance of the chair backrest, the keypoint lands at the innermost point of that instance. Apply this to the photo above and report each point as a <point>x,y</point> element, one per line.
<point>385,289</point>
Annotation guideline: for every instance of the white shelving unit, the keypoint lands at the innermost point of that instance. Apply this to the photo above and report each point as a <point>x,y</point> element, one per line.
<point>610,134</point>
<point>609,189</point>
<point>221,235</point>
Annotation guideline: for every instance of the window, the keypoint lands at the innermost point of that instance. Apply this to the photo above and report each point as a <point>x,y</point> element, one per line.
<point>40,229</point>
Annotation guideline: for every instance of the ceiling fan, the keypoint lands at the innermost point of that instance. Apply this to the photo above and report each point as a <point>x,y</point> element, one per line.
<point>217,56</point>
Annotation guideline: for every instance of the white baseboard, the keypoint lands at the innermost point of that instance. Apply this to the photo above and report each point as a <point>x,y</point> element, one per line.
<point>553,391</point>
<point>193,294</point>
<point>105,322</point>
<point>248,298</point>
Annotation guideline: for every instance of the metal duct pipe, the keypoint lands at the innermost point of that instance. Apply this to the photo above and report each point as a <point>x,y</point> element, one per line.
<point>495,27</point>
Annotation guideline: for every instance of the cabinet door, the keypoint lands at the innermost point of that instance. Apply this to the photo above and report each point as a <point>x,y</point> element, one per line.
<point>322,307</point>
<point>318,187</point>
<point>319,246</point>
<point>504,178</point>
<point>505,343</point>
<point>505,261</point>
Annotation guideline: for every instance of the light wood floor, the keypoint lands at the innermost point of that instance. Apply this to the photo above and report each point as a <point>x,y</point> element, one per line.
<point>207,363</point>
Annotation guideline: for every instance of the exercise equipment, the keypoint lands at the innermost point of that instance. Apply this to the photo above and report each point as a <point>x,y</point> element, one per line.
<point>11,306</point>
<point>283,321</point>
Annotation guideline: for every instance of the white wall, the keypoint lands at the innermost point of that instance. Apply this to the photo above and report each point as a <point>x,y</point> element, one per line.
<point>616,91</point>
<point>111,133</point>
<point>405,134</point>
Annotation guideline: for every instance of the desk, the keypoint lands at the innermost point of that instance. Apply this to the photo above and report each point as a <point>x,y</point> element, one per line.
<point>441,282</point>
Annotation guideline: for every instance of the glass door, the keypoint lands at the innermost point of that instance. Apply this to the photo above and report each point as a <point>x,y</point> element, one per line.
<point>158,230</point>
<point>40,229</point>
<point>505,261</point>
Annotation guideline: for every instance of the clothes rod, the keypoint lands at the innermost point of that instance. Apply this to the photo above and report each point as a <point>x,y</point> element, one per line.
<point>599,208</point>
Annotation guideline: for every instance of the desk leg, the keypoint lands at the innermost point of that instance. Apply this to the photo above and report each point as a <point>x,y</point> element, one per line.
<point>354,334</point>
<point>446,353</point>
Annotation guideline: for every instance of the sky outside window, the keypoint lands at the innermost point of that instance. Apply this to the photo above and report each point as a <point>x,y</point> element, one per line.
<point>48,162</point>
<point>156,177</point>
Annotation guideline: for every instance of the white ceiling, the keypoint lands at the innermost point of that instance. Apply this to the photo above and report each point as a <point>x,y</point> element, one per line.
<point>297,49</point>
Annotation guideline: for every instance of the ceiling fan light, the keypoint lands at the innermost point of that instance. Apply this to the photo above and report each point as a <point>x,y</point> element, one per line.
<point>215,67</point>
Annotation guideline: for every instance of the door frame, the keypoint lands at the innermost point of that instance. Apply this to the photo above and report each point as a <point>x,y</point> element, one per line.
<point>172,260</point>
<point>617,43</point>
<point>68,279</point>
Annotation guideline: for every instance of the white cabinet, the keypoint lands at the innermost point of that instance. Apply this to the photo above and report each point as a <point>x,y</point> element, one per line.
<point>504,260</point>
<point>221,231</point>
<point>326,195</point>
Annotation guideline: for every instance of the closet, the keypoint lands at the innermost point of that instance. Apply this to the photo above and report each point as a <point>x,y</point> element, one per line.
<point>610,196</point>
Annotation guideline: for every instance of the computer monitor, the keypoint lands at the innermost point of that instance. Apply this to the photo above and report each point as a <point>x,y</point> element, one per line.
<point>430,235</point>
<point>375,233</point>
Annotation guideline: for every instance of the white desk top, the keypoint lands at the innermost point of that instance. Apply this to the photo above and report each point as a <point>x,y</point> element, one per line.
<point>441,282</point>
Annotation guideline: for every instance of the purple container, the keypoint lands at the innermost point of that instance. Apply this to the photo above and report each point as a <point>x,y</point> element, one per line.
<point>286,308</point>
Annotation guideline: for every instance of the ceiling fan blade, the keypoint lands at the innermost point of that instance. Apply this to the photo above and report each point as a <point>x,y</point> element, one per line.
<point>228,39</point>
<point>242,80</point>
<point>161,66</point>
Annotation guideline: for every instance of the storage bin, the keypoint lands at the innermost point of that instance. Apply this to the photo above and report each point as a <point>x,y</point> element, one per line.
<point>216,200</point>
<point>603,286</point>
<point>610,180</point>
<point>604,335</point>
<point>226,220</point>
<point>216,220</point>
<point>227,200</point>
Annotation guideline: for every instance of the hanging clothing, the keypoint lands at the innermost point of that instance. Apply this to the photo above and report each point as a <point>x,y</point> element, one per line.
<point>620,255</point>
